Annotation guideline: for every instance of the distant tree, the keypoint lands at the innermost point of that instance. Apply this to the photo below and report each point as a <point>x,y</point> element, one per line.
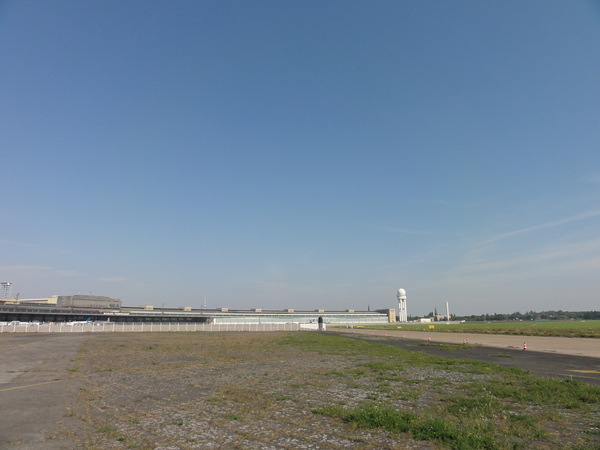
<point>531,315</point>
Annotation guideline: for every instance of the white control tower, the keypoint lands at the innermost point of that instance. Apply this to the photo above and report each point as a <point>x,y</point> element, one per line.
<point>402,316</point>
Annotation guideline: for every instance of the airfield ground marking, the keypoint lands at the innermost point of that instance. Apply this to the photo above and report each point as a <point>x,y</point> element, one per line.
<point>30,385</point>
<point>583,371</point>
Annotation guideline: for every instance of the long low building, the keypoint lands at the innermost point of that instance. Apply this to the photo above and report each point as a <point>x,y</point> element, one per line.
<point>258,316</point>
<point>96,309</point>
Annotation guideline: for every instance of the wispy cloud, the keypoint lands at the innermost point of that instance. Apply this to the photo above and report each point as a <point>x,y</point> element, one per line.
<point>114,279</point>
<point>555,223</point>
<point>584,253</point>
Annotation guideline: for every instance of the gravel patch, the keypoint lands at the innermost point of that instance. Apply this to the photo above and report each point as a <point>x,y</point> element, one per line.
<point>238,391</point>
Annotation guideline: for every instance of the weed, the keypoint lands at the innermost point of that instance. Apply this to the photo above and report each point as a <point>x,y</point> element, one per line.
<point>447,347</point>
<point>485,407</point>
<point>106,429</point>
<point>571,394</point>
<point>451,403</point>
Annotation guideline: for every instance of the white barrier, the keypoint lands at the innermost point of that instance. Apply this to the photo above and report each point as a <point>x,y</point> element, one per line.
<point>130,327</point>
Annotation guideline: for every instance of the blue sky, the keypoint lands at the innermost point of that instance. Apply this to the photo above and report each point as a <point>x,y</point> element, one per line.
<point>303,154</point>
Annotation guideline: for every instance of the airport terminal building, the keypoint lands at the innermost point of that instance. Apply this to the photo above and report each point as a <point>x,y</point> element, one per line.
<point>96,308</point>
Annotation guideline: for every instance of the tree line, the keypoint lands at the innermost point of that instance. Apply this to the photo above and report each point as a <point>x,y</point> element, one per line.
<point>533,315</point>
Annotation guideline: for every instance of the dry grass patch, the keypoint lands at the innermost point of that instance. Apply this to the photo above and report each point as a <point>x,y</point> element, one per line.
<point>305,390</point>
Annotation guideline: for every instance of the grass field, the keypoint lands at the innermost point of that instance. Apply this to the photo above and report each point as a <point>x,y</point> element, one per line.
<point>582,329</point>
<point>313,390</point>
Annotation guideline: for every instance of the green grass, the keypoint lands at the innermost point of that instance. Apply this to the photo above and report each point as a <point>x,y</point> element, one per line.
<point>565,392</point>
<point>474,422</point>
<point>567,328</point>
<point>361,391</point>
<point>436,429</point>
<point>106,429</point>
<point>502,410</point>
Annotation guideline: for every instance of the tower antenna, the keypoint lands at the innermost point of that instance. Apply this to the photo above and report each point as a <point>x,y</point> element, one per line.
<point>6,287</point>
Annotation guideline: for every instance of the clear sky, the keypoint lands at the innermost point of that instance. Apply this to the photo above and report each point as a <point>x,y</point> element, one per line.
<point>303,154</point>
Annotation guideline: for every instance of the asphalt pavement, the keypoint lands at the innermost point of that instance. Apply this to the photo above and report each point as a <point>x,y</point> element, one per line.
<point>559,358</point>
<point>35,389</point>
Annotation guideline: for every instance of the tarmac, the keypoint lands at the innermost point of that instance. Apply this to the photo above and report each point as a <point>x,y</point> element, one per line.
<point>35,389</point>
<point>576,358</point>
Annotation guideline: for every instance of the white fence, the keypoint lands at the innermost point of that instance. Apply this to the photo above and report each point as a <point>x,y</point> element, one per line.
<point>143,327</point>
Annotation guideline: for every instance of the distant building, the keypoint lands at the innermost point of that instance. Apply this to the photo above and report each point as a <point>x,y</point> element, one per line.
<point>74,301</point>
<point>391,313</point>
<point>87,301</point>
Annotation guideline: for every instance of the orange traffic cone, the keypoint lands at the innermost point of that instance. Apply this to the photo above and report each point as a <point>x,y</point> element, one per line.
<point>524,346</point>
<point>464,341</point>
<point>429,338</point>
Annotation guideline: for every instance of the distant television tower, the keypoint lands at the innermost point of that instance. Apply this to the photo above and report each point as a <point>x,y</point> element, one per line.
<point>402,316</point>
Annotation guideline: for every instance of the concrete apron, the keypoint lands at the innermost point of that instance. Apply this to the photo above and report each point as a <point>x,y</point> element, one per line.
<point>568,346</point>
